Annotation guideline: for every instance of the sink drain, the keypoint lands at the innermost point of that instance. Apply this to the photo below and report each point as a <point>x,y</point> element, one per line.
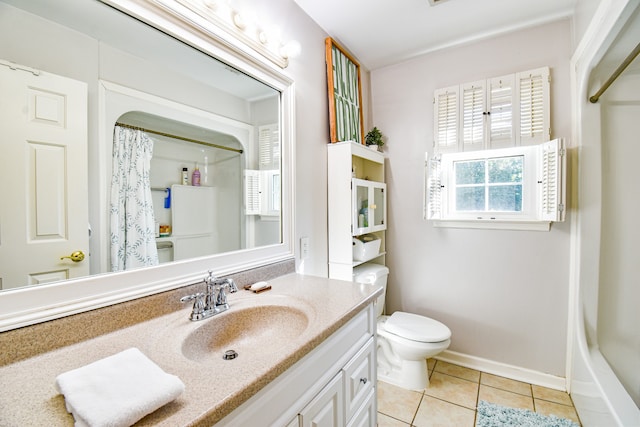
<point>230,354</point>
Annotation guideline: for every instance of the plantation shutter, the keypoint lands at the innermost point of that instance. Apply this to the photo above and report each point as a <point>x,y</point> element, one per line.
<point>552,166</point>
<point>269,146</point>
<point>533,95</point>
<point>501,108</point>
<point>433,188</point>
<point>252,192</point>
<point>473,114</point>
<point>445,113</point>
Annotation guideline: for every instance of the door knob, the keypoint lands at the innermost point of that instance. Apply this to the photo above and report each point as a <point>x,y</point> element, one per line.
<point>76,256</point>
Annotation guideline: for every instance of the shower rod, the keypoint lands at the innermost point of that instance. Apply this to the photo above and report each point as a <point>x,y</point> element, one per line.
<point>182,138</point>
<point>628,60</point>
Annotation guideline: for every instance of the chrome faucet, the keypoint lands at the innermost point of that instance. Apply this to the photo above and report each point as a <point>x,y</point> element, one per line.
<point>214,301</point>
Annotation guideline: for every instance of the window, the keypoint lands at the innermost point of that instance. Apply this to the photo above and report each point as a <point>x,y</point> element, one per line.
<point>488,185</point>
<point>517,187</point>
<point>262,187</point>
<point>269,146</point>
<point>262,192</point>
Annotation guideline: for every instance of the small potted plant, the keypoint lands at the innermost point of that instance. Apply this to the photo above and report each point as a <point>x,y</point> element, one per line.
<point>373,139</point>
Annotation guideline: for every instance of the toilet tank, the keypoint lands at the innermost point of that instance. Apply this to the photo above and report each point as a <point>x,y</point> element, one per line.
<point>375,274</point>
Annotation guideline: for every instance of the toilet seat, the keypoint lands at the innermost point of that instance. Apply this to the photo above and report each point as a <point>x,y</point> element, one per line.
<point>416,328</point>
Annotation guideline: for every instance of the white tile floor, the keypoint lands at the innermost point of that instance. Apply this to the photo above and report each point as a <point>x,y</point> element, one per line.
<point>453,395</point>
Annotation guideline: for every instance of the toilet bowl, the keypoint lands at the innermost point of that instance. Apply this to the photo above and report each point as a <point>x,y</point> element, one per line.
<point>405,340</point>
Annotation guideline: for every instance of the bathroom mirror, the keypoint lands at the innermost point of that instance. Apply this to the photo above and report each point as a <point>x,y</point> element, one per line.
<point>232,120</point>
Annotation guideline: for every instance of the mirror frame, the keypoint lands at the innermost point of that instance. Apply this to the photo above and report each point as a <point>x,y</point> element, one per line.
<point>34,304</point>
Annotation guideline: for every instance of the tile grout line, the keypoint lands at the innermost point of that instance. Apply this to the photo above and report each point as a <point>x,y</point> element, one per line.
<point>533,399</point>
<point>479,383</point>
<point>391,416</point>
<point>415,414</point>
<point>475,412</point>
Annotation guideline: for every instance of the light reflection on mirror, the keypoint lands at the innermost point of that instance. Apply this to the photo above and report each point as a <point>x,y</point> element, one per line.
<point>92,43</point>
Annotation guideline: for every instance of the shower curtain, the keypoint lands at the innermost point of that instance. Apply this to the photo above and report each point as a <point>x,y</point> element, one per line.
<point>133,241</point>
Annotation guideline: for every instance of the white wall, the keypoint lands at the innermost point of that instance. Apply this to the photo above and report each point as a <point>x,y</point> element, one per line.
<point>312,128</point>
<point>582,15</point>
<point>504,294</point>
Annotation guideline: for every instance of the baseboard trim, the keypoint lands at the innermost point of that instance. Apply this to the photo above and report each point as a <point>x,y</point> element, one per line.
<point>502,369</point>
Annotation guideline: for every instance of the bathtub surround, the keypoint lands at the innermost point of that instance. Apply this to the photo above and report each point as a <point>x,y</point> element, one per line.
<point>603,365</point>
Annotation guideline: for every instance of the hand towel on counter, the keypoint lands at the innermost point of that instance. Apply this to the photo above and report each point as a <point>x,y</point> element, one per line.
<point>118,390</point>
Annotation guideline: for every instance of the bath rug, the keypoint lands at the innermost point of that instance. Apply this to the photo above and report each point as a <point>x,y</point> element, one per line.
<point>492,415</point>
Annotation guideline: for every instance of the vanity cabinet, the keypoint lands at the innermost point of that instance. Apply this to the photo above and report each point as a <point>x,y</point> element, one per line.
<point>349,396</point>
<point>357,204</point>
<point>333,386</point>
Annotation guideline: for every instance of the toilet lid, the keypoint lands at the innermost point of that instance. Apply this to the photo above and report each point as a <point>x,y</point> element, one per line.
<point>416,328</point>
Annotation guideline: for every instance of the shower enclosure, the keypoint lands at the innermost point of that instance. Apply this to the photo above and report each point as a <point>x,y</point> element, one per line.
<point>604,340</point>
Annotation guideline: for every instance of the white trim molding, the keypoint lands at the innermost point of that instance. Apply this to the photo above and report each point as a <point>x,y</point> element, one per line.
<point>504,370</point>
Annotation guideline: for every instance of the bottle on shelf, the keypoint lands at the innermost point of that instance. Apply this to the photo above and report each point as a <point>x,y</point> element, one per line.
<point>185,177</point>
<point>195,177</point>
<point>364,211</point>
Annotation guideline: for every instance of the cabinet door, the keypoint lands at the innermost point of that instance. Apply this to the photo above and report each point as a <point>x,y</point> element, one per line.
<point>327,408</point>
<point>359,206</point>
<point>369,206</point>
<point>294,422</point>
<point>359,375</point>
<point>367,415</point>
<point>379,210</point>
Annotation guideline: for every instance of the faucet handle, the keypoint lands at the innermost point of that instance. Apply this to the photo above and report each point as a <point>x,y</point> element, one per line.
<point>232,285</point>
<point>198,305</point>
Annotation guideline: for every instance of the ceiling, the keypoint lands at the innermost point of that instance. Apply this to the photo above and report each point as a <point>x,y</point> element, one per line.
<point>383,32</point>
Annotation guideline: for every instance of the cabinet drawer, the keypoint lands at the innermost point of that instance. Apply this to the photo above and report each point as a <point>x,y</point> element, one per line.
<point>360,375</point>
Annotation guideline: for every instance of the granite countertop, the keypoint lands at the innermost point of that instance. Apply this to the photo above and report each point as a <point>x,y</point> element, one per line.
<point>214,387</point>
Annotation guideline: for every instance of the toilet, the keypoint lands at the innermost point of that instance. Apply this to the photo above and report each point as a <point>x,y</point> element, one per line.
<point>405,340</point>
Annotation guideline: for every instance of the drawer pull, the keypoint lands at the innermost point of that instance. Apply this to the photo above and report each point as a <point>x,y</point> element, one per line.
<point>363,380</point>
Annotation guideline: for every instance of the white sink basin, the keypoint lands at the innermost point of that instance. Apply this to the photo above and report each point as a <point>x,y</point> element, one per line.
<point>249,330</point>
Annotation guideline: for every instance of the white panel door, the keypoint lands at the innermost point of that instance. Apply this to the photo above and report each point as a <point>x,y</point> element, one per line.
<point>43,171</point>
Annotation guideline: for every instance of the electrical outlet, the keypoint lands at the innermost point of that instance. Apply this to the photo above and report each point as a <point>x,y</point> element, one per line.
<point>304,247</point>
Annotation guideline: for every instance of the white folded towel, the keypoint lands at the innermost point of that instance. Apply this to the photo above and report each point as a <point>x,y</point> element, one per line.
<point>118,390</point>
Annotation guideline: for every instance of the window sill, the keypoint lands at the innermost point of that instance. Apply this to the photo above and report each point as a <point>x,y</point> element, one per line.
<point>494,224</point>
